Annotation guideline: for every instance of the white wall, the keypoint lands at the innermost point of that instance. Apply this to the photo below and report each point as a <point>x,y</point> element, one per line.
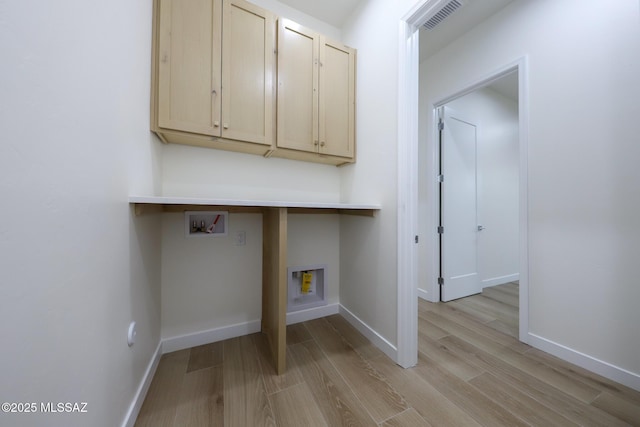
<point>583,150</point>
<point>204,172</point>
<point>368,246</point>
<point>75,265</point>
<point>498,167</point>
<point>209,282</point>
<point>288,12</point>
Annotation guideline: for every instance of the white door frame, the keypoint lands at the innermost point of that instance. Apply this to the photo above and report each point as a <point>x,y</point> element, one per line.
<point>407,207</point>
<point>407,202</point>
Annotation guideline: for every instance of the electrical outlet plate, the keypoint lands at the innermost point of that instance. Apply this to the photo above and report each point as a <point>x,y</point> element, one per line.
<point>241,238</point>
<point>206,223</point>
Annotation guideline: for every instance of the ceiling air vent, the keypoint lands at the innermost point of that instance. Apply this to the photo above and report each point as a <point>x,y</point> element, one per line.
<point>443,14</point>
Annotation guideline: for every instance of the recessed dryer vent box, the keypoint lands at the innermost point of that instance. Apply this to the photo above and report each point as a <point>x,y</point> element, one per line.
<point>205,223</point>
<point>306,287</point>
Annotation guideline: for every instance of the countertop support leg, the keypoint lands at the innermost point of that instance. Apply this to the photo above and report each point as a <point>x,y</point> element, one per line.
<point>274,283</point>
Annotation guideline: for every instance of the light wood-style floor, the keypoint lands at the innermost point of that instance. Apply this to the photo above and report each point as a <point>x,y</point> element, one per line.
<point>496,307</point>
<point>469,373</point>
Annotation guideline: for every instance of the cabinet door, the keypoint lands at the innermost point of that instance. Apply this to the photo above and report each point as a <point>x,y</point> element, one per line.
<point>248,44</point>
<point>189,64</point>
<point>297,87</point>
<point>337,98</point>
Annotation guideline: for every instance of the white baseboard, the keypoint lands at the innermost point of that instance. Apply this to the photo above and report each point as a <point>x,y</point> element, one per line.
<point>377,339</point>
<point>607,370</point>
<point>212,335</point>
<point>423,294</point>
<point>312,313</point>
<point>495,281</point>
<point>143,388</point>
<point>219,334</point>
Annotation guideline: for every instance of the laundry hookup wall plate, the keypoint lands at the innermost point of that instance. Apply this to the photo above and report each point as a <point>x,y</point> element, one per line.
<point>206,223</point>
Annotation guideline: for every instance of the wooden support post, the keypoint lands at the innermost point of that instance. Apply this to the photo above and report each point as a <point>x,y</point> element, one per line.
<point>274,283</point>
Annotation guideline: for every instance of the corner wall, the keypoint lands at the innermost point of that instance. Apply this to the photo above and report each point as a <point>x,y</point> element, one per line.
<point>368,246</point>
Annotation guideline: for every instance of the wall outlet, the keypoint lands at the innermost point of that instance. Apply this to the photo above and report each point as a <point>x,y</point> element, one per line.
<point>241,238</point>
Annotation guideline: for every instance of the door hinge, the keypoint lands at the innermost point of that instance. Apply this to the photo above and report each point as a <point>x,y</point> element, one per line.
<point>440,229</point>
<point>440,178</point>
<point>440,125</point>
<point>440,281</point>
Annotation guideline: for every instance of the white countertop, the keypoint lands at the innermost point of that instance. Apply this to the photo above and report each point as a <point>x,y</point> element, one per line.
<point>162,200</point>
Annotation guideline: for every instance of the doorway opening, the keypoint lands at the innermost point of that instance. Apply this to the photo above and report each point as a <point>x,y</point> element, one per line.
<point>481,198</point>
<point>478,143</point>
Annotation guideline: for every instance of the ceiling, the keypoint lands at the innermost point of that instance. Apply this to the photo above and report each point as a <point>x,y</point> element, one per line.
<point>472,13</point>
<point>336,12</point>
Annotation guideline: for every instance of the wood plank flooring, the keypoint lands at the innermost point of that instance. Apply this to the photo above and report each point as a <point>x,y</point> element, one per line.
<point>496,306</point>
<point>471,372</point>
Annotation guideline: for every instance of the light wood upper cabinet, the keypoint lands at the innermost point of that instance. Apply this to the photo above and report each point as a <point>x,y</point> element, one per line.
<point>316,93</point>
<point>215,74</point>
<point>337,98</point>
<point>298,56</point>
<point>189,65</point>
<point>248,72</point>
<point>218,82</point>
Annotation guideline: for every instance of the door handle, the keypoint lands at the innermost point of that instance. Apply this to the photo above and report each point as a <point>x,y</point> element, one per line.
<point>480,227</point>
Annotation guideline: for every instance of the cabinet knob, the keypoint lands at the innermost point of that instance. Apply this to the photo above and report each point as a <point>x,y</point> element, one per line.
<point>213,92</point>
<point>315,142</point>
<point>216,124</point>
<point>226,125</point>
<point>322,144</point>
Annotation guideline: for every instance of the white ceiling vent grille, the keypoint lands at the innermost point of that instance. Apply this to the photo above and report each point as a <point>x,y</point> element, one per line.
<point>443,14</point>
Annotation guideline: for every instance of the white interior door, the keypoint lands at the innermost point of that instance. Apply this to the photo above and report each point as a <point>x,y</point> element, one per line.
<point>459,207</point>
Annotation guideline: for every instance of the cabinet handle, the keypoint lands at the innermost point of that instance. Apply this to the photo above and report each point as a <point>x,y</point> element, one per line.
<point>213,92</point>
<point>322,144</point>
<point>216,124</point>
<point>226,125</point>
<point>315,142</point>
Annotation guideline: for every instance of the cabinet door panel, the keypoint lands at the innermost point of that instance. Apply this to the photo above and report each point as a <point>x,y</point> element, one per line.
<point>189,65</point>
<point>297,87</point>
<point>248,59</point>
<point>337,99</point>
